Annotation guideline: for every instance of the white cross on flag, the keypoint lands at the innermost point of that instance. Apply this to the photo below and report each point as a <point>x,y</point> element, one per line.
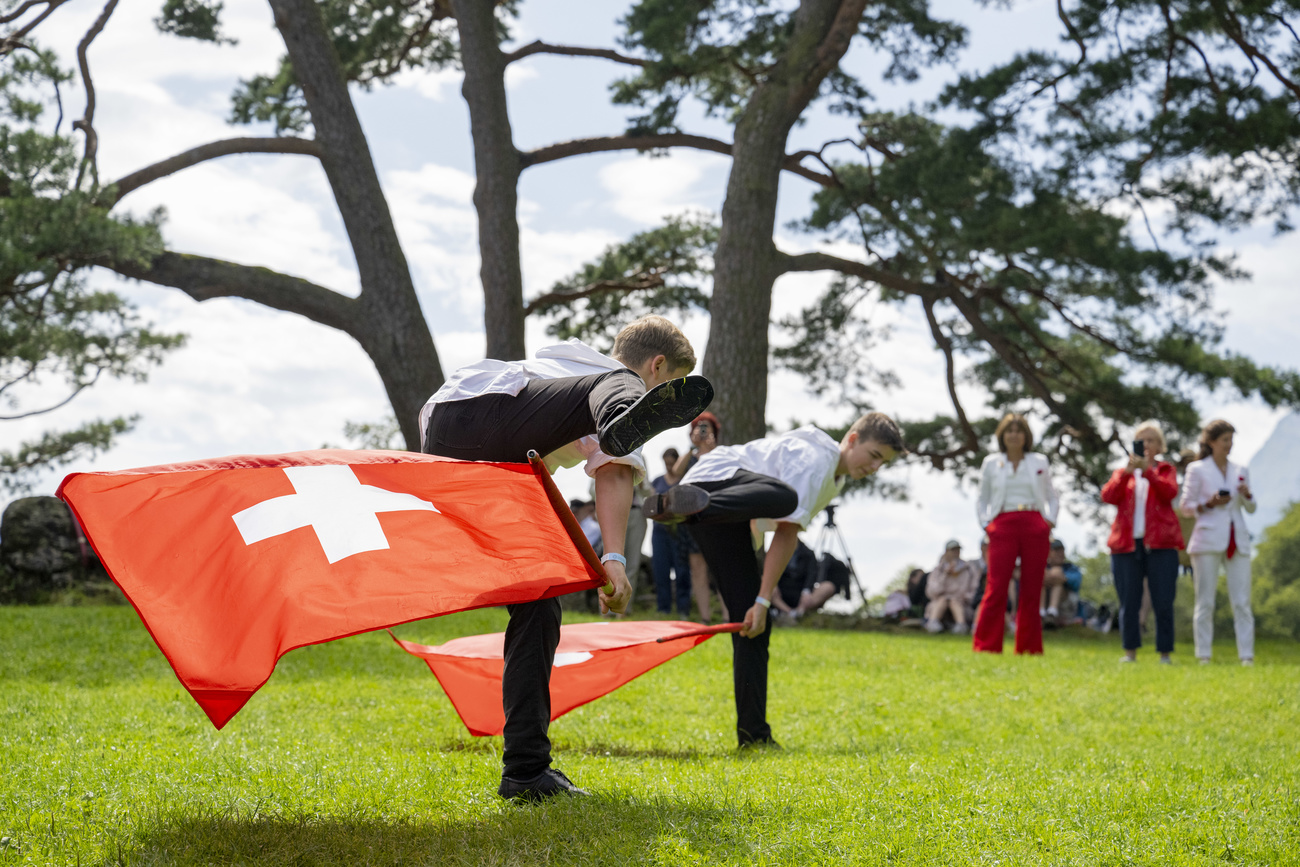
<point>234,562</point>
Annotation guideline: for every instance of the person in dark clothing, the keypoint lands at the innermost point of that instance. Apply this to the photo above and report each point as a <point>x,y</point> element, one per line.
<point>569,403</point>
<point>669,556</point>
<point>783,482</point>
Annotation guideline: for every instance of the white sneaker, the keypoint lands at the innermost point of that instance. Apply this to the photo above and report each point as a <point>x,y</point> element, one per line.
<point>933,626</point>
<point>1203,660</point>
<point>1052,612</point>
<point>960,629</point>
<point>1248,661</point>
<point>1127,658</point>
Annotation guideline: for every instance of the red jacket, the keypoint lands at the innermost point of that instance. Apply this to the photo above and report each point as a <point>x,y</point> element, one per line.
<point>1163,530</point>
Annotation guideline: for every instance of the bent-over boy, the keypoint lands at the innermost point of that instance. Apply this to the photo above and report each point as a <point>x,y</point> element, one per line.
<point>569,403</point>
<point>785,479</point>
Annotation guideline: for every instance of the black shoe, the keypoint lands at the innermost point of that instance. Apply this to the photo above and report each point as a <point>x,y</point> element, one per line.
<point>666,406</point>
<point>547,784</point>
<point>677,503</point>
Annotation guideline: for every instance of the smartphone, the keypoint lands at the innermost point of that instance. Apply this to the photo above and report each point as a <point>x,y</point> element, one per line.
<point>1224,492</point>
<point>1140,448</point>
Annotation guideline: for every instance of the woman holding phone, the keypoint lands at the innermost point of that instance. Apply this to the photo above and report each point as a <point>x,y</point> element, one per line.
<point>1145,539</point>
<point>1216,492</point>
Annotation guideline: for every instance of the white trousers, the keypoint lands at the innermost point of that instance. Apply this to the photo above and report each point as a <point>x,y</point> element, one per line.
<point>1205,575</point>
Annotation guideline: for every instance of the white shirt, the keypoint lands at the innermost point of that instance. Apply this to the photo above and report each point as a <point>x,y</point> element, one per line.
<point>1020,486</point>
<point>560,361</point>
<point>1141,487</point>
<point>805,459</point>
<point>995,476</point>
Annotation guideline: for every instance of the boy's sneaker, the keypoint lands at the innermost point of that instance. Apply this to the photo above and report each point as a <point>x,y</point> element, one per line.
<point>547,784</point>
<point>666,406</point>
<point>933,626</point>
<point>677,503</point>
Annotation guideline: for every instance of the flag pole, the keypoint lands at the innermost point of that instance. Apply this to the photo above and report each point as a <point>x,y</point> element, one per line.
<point>703,630</point>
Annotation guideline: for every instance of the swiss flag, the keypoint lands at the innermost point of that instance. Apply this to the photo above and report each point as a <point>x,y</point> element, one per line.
<point>233,562</point>
<point>593,659</point>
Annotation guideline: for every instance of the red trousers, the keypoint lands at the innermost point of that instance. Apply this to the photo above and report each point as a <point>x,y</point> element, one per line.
<point>1027,537</point>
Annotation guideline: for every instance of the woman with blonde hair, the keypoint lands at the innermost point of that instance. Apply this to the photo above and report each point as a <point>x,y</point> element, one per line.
<point>1217,493</point>
<point>1017,508</point>
<point>1145,539</point>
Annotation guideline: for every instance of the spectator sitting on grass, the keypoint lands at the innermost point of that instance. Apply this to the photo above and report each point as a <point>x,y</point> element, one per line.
<point>916,583</point>
<point>808,582</point>
<point>950,588</point>
<point>1061,577</point>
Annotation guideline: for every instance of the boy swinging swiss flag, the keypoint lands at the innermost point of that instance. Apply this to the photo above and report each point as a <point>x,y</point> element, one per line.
<point>231,563</point>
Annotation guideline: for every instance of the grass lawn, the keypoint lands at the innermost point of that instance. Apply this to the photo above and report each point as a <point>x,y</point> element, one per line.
<point>899,749</point>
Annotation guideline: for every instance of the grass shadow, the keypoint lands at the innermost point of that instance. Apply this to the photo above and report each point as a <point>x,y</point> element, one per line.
<point>594,830</point>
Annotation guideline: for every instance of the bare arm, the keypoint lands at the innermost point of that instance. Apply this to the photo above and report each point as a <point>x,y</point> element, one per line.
<point>613,504</point>
<point>784,542</point>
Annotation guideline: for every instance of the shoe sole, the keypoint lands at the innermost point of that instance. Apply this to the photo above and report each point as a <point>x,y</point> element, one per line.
<point>680,501</point>
<point>666,406</point>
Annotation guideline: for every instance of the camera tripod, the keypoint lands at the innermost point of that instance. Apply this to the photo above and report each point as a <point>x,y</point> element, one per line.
<point>831,533</point>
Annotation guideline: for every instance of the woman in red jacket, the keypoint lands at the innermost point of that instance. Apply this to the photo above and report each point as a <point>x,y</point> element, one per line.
<point>1145,540</point>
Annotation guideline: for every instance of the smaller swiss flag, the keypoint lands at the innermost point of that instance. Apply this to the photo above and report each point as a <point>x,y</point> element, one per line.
<point>593,659</point>
<point>233,562</point>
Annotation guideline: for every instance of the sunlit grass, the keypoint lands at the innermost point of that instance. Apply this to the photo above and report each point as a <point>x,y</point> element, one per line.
<point>899,749</point>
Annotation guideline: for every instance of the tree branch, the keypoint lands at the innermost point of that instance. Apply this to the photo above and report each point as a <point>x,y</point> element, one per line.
<point>651,280</point>
<point>213,150</point>
<point>87,122</point>
<point>540,47</point>
<point>578,147</point>
<point>786,263</point>
<point>13,41</point>
<point>202,278</point>
<point>944,342</point>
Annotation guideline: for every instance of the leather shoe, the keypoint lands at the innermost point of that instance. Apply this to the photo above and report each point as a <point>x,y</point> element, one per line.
<point>547,784</point>
<point>677,503</point>
<point>666,406</point>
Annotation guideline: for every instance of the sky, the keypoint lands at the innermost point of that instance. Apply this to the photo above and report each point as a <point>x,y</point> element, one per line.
<point>256,381</point>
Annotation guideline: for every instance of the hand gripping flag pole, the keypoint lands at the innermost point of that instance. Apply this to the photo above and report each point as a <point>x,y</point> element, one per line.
<point>592,660</point>
<point>233,562</point>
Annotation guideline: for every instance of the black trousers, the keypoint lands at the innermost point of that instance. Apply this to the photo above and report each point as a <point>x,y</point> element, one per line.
<point>722,533</point>
<point>546,415</point>
<point>1160,568</point>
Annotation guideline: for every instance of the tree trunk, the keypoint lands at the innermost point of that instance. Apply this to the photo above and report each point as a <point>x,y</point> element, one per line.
<point>745,265</point>
<point>390,325</point>
<point>497,166</point>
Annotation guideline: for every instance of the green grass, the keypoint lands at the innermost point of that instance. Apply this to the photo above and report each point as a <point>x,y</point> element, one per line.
<point>899,749</point>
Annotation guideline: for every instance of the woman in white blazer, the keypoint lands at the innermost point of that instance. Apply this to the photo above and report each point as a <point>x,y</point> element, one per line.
<point>1216,492</point>
<point>1017,508</point>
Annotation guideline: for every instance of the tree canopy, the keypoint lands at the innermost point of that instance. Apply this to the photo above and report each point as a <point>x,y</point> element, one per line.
<point>53,327</point>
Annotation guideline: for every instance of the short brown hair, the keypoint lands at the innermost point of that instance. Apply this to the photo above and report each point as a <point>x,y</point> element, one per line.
<point>643,339</point>
<point>881,428</point>
<point>1212,432</point>
<point>1007,421</point>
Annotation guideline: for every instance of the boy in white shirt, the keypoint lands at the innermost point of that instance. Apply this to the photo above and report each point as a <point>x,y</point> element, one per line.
<point>569,404</point>
<point>780,483</point>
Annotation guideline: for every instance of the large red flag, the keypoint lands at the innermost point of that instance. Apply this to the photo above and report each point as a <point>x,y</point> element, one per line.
<point>231,563</point>
<point>593,659</point>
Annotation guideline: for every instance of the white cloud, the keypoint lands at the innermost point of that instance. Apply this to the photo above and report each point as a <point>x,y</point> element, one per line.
<point>647,189</point>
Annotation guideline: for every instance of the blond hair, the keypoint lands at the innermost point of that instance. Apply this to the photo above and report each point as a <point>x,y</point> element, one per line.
<point>652,335</point>
<point>1154,427</point>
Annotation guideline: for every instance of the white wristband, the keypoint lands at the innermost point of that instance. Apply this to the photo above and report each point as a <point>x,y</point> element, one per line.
<point>617,558</point>
<point>766,603</point>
